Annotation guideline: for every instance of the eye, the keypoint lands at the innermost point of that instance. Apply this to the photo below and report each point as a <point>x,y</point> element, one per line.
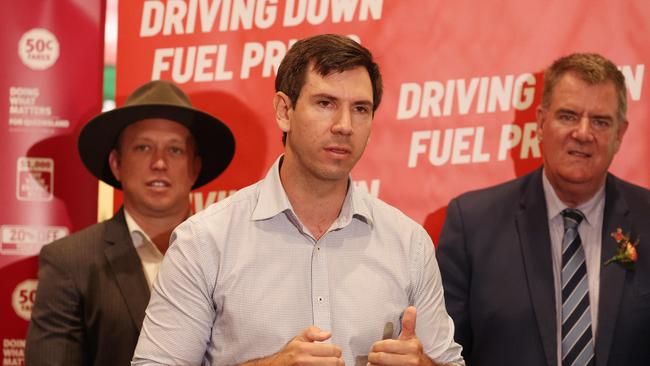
<point>601,122</point>
<point>363,109</point>
<point>175,150</point>
<point>141,147</point>
<point>324,103</point>
<point>567,117</point>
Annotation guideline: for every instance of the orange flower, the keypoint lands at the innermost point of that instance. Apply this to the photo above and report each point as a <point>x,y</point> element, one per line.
<point>618,235</point>
<point>631,253</point>
<point>626,254</point>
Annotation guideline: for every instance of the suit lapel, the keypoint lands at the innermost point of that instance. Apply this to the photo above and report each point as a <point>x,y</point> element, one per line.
<point>612,277</point>
<point>535,241</point>
<point>125,264</point>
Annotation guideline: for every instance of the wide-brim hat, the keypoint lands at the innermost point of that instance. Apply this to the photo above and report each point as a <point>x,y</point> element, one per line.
<point>157,99</point>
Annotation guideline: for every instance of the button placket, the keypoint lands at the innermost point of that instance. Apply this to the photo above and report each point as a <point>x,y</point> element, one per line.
<point>320,287</point>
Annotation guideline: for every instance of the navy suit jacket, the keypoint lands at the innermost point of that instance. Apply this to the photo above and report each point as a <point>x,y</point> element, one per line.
<point>90,300</point>
<point>494,254</point>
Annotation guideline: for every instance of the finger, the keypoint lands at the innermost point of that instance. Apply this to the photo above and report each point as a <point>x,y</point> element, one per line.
<point>313,334</point>
<point>381,358</point>
<point>408,323</point>
<point>320,349</point>
<point>321,361</point>
<point>397,346</point>
<point>291,358</point>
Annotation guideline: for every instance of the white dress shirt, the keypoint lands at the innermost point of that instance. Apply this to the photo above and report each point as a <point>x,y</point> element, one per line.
<point>590,231</point>
<point>244,276</point>
<point>150,255</point>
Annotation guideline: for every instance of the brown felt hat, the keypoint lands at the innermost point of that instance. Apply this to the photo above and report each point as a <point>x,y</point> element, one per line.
<point>157,99</point>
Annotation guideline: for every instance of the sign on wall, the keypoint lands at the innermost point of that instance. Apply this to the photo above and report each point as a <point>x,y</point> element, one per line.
<point>462,81</point>
<point>50,85</point>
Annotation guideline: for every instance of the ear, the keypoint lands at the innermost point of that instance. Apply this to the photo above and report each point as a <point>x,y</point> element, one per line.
<point>283,109</point>
<point>540,112</point>
<point>114,163</point>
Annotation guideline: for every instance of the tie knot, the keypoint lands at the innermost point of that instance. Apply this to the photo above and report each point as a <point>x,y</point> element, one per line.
<point>572,218</point>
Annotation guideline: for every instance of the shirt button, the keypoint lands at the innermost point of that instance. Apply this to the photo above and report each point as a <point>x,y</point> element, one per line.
<point>320,298</point>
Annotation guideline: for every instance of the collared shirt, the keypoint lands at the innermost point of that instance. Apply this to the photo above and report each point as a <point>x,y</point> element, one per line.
<point>590,231</point>
<point>150,255</point>
<point>244,276</point>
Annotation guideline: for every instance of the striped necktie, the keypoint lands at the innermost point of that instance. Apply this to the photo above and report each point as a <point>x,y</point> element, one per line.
<point>577,339</point>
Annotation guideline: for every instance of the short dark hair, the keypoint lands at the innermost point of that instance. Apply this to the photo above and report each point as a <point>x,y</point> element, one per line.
<point>326,53</point>
<point>591,68</point>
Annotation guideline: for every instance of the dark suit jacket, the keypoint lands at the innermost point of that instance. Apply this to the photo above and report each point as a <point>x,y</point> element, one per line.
<point>90,300</point>
<point>495,257</point>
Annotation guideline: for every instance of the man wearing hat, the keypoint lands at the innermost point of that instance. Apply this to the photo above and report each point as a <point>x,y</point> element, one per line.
<point>94,285</point>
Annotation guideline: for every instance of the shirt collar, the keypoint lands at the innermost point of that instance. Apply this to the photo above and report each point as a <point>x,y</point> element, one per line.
<point>555,206</point>
<point>273,200</point>
<point>138,236</point>
<point>359,204</point>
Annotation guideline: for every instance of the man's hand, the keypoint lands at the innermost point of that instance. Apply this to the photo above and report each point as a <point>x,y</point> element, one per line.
<point>303,350</point>
<point>406,350</point>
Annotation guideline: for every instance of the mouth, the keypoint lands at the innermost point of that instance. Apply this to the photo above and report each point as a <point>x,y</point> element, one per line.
<point>339,150</point>
<point>158,184</point>
<point>579,154</point>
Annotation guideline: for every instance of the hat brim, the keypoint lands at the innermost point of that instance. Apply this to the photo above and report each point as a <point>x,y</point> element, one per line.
<point>215,141</point>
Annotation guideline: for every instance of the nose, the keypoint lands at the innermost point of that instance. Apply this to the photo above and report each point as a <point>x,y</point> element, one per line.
<point>158,160</point>
<point>583,130</point>
<point>343,123</point>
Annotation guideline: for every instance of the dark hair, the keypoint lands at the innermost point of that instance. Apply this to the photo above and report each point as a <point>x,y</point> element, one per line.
<point>591,68</point>
<point>327,53</point>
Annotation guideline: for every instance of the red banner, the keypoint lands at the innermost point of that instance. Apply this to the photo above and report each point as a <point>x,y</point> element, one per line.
<point>51,84</point>
<point>462,81</point>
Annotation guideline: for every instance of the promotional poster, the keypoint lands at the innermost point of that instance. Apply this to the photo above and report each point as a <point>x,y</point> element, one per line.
<point>462,81</point>
<point>50,86</point>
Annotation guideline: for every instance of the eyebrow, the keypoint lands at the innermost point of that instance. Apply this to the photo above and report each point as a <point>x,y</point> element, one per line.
<point>333,98</point>
<point>602,116</point>
<point>566,111</point>
<point>570,111</point>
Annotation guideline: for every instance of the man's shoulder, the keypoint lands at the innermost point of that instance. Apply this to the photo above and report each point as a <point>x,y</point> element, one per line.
<point>630,188</point>
<point>386,213</point>
<point>405,237</point>
<point>503,192</point>
<point>87,239</point>
<point>635,195</point>
<point>240,202</point>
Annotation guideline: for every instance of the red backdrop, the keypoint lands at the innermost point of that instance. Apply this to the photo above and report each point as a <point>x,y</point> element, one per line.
<point>462,80</point>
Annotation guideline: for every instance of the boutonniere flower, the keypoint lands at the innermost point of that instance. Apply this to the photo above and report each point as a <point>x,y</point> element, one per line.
<point>626,254</point>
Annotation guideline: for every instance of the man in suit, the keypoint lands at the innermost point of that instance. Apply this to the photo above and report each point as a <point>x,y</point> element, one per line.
<point>523,262</point>
<point>94,285</point>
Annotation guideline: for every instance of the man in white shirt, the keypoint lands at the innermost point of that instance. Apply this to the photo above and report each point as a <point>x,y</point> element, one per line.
<point>301,268</point>
<point>94,285</point>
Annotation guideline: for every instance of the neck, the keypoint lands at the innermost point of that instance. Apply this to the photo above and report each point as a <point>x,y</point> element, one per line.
<point>159,229</point>
<point>575,194</point>
<point>316,202</point>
